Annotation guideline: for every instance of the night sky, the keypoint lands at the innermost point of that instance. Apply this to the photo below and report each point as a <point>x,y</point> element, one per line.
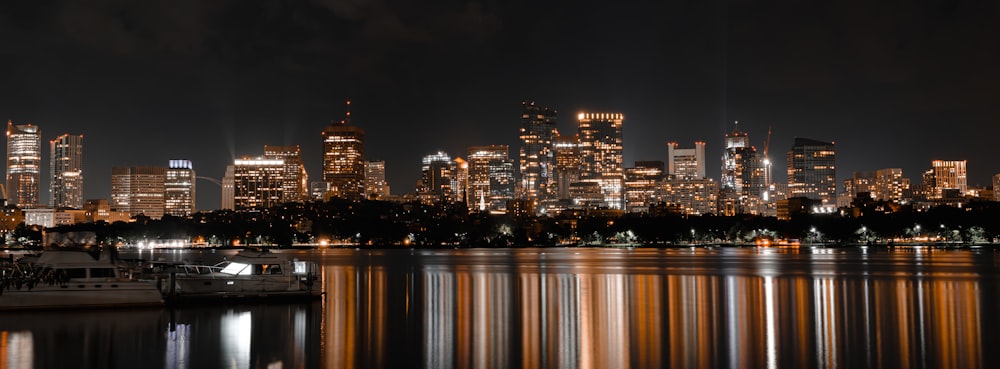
<point>894,84</point>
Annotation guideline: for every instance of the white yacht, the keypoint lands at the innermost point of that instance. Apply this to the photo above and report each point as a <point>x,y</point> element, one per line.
<point>71,279</point>
<point>246,275</point>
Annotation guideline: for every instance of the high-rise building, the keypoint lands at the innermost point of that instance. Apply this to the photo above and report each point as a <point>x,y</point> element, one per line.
<point>179,188</point>
<point>883,184</point>
<point>686,163</point>
<point>229,188</point>
<point>485,162</point>
<point>258,183</point>
<point>296,187</point>
<point>536,156</point>
<point>641,184</point>
<point>138,190</point>
<point>375,185</point>
<point>437,178</point>
<point>460,178</point>
<point>812,170</point>
<point>344,158</point>
<point>601,152</point>
<point>66,172</point>
<point>501,183</point>
<point>24,164</point>
<point>568,164</point>
<point>697,196</point>
<point>744,183</point>
<point>947,175</point>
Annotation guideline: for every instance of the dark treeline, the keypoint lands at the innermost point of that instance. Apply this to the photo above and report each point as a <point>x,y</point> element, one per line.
<point>381,223</point>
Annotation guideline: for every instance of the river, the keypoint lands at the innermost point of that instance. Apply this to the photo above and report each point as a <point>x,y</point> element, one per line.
<point>908,307</point>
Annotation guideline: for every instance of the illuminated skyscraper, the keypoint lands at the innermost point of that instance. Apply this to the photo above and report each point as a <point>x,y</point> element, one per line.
<point>296,187</point>
<point>884,184</point>
<point>568,164</point>
<point>375,185</point>
<point>138,190</point>
<point>641,185</point>
<point>24,164</point>
<point>179,188</point>
<point>601,152</point>
<point>486,162</point>
<point>812,170</point>
<point>437,177</point>
<point>536,157</point>
<point>344,158</point>
<point>686,163</point>
<point>744,176</point>
<point>66,172</point>
<point>258,183</point>
<point>947,175</point>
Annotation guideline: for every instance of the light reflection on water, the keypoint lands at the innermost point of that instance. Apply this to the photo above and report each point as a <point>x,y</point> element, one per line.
<point>564,308</point>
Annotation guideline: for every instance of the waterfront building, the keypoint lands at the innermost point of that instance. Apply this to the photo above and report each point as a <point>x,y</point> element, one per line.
<point>376,188</point>
<point>641,184</point>
<point>743,187</point>
<point>946,178</point>
<point>24,164</point>
<point>568,164</point>
<point>886,184</point>
<point>179,188</point>
<point>812,170</point>
<point>66,171</point>
<point>258,183</point>
<point>138,190</point>
<point>296,186</point>
<point>501,183</point>
<point>694,196</point>
<point>437,178</point>
<point>601,155</point>
<point>686,163</point>
<point>536,156</point>
<point>485,162</point>
<point>343,158</point>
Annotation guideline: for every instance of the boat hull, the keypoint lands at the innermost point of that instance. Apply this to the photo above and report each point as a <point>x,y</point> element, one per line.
<point>82,295</point>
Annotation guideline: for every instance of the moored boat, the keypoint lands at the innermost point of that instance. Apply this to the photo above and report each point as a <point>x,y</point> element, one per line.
<point>71,279</point>
<point>246,275</point>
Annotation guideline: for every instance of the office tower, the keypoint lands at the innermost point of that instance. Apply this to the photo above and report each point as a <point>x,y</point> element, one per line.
<point>436,178</point>
<point>812,170</point>
<point>948,179</point>
<point>138,190</point>
<point>536,158</point>
<point>693,196</point>
<point>484,161</point>
<point>501,183</point>
<point>743,182</point>
<point>568,164</point>
<point>375,185</point>
<point>641,184</point>
<point>460,179</point>
<point>258,183</point>
<point>179,188</point>
<point>296,187</point>
<point>686,163</point>
<point>601,152</point>
<point>996,187</point>
<point>66,172</point>
<point>344,158</point>
<point>229,188</point>
<point>24,164</point>
<point>883,184</point>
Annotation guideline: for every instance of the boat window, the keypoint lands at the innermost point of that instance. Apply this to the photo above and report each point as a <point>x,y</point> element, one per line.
<point>76,272</point>
<point>237,269</point>
<point>102,273</point>
<point>273,269</point>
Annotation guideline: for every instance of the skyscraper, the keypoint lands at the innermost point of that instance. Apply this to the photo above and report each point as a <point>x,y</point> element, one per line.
<point>568,164</point>
<point>258,183</point>
<point>486,162</point>
<point>437,177</point>
<point>686,163</point>
<point>536,157</point>
<point>812,170</point>
<point>296,186</point>
<point>743,176</point>
<point>344,157</point>
<point>66,172</point>
<point>884,184</point>
<point>138,190</point>
<point>601,153</point>
<point>24,164</point>
<point>179,188</point>
<point>641,185</point>
<point>375,185</point>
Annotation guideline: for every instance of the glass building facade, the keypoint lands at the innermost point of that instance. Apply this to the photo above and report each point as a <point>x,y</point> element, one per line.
<point>66,172</point>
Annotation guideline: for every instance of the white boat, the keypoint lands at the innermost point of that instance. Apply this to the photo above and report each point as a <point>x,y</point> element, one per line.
<point>246,275</point>
<point>71,279</point>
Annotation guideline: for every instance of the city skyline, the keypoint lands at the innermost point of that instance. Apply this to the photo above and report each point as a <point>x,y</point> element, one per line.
<point>893,87</point>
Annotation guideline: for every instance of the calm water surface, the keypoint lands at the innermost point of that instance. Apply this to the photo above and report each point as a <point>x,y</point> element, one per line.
<point>563,308</point>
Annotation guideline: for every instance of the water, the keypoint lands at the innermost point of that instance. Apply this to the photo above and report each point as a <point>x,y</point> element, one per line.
<point>563,308</point>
